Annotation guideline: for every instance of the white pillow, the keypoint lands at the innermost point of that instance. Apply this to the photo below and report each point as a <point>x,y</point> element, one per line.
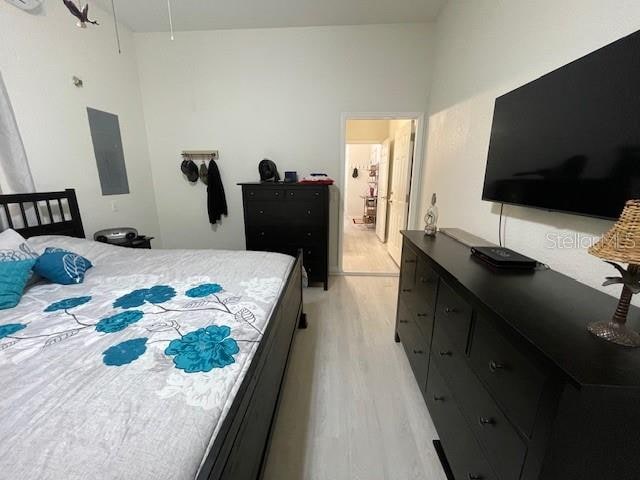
<point>13,246</point>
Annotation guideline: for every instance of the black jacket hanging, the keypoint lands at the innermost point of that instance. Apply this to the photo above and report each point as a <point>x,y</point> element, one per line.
<point>216,201</point>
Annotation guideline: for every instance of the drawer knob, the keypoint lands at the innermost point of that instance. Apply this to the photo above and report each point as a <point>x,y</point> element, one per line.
<point>426,280</point>
<point>252,194</point>
<point>418,352</point>
<point>446,353</point>
<point>438,398</point>
<point>409,261</point>
<point>308,234</point>
<point>261,212</point>
<point>277,194</point>
<point>291,193</point>
<point>486,421</point>
<point>317,194</point>
<point>308,212</point>
<point>406,290</point>
<point>262,234</point>
<point>473,476</point>
<point>495,366</point>
<point>423,314</point>
<point>404,321</point>
<point>449,310</point>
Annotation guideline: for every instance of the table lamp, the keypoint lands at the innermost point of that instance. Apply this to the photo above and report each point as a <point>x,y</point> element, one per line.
<point>621,244</point>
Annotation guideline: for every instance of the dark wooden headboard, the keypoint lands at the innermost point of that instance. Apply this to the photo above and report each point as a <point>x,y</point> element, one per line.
<point>42,213</point>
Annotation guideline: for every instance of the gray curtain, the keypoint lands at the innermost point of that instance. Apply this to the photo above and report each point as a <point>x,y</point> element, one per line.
<point>15,175</point>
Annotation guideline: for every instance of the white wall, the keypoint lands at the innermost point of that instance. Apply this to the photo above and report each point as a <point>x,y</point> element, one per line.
<point>39,53</point>
<point>357,156</point>
<point>485,48</point>
<point>275,93</point>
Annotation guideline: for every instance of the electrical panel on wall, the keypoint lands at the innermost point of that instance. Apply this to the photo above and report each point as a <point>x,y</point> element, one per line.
<point>26,4</point>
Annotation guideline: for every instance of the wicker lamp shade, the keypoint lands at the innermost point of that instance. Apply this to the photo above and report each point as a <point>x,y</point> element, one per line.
<point>622,242</point>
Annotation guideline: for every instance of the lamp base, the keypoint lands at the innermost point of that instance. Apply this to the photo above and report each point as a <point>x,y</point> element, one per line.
<point>615,332</point>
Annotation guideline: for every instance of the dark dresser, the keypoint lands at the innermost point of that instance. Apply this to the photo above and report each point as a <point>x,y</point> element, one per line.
<point>284,217</point>
<point>516,386</point>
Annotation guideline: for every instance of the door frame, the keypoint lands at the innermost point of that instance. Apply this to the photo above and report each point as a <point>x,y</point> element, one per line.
<point>416,167</point>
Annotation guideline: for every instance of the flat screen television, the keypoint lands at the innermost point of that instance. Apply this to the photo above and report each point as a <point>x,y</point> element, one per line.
<point>570,140</point>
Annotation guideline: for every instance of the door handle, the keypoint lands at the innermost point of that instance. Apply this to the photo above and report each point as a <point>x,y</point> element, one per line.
<point>486,421</point>
<point>495,366</point>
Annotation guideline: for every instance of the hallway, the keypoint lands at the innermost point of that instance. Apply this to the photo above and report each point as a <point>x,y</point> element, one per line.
<point>364,252</point>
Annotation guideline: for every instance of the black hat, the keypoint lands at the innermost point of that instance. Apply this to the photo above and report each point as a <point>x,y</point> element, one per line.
<point>190,169</point>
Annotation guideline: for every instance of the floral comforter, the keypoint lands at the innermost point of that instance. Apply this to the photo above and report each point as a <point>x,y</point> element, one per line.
<point>130,374</point>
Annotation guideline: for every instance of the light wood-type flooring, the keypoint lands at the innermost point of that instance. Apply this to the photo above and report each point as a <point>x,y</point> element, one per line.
<point>363,252</point>
<point>351,409</point>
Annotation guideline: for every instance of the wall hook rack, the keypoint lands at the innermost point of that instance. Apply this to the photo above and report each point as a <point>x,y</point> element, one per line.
<point>200,155</point>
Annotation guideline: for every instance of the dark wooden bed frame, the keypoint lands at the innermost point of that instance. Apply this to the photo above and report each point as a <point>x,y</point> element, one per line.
<point>240,448</point>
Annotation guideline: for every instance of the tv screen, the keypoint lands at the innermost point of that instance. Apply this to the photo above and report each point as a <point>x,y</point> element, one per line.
<point>570,140</point>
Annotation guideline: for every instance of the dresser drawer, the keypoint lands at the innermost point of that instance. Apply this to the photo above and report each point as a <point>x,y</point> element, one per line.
<point>315,268</point>
<point>454,314</point>
<point>424,296</point>
<point>513,379</point>
<point>501,442</point>
<point>465,456</point>
<point>304,235</point>
<point>263,194</point>
<point>415,345</point>
<point>407,273</point>
<point>261,237</point>
<point>264,213</point>
<point>304,195</point>
<point>303,213</point>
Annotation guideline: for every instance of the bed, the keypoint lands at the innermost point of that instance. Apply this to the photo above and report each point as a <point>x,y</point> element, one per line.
<point>162,364</point>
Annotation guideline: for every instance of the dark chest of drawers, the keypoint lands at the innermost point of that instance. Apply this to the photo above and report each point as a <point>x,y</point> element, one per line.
<point>282,217</point>
<point>516,386</point>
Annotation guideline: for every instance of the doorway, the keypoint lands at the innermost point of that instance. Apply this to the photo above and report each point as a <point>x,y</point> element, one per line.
<point>378,169</point>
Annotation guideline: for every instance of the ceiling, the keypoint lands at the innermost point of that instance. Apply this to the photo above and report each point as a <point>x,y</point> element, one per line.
<point>152,16</point>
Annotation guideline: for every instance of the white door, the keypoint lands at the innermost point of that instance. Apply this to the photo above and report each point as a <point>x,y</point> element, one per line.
<point>383,191</point>
<point>400,184</point>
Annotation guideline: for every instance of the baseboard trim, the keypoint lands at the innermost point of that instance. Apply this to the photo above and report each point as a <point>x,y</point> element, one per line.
<point>364,274</point>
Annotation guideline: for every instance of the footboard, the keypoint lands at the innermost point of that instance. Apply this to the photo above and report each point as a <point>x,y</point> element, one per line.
<point>239,450</point>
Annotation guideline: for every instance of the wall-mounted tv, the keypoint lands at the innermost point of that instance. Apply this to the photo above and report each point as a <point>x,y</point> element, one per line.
<point>570,140</point>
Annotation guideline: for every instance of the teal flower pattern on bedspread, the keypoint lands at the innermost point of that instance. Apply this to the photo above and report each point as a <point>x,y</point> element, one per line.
<point>119,321</point>
<point>204,349</point>
<point>67,304</point>
<point>203,290</point>
<point>125,352</point>
<point>153,295</point>
<point>10,329</point>
<point>200,350</point>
